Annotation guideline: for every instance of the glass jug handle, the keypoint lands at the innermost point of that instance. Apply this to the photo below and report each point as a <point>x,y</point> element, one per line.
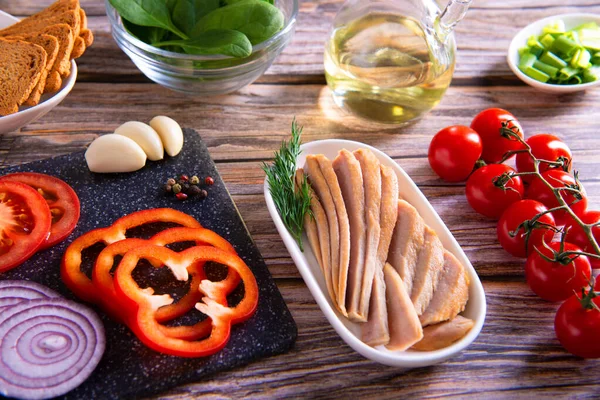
<point>452,14</point>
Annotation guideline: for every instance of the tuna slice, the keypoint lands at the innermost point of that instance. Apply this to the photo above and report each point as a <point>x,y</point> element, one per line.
<point>321,188</point>
<point>407,241</point>
<point>442,335</point>
<point>389,212</point>
<point>317,230</point>
<point>349,175</point>
<point>371,172</point>
<point>451,294</point>
<point>375,331</point>
<point>429,264</point>
<point>405,328</point>
<point>327,188</point>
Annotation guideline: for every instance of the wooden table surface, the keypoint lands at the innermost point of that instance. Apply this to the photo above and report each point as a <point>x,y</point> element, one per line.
<point>516,354</point>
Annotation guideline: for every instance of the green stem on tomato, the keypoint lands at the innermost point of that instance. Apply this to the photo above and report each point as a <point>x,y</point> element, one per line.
<point>587,228</point>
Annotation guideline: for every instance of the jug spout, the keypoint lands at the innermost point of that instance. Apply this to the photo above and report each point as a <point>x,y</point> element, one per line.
<point>452,14</point>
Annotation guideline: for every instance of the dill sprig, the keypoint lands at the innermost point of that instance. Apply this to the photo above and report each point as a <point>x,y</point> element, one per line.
<point>292,203</point>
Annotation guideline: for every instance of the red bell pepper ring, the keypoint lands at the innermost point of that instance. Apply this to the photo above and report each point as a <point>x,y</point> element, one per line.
<point>145,325</point>
<point>70,269</point>
<point>102,278</point>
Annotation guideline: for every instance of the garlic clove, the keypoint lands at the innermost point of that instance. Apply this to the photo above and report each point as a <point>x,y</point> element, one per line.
<point>145,136</point>
<point>170,133</point>
<point>114,153</point>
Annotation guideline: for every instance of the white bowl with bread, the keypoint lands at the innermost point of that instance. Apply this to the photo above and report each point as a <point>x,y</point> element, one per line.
<point>425,302</point>
<point>39,53</point>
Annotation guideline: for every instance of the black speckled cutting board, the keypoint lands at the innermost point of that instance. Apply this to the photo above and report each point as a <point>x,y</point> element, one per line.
<point>128,368</point>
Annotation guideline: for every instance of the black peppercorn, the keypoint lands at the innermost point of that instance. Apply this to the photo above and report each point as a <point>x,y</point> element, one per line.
<point>203,194</point>
<point>168,188</point>
<point>194,190</point>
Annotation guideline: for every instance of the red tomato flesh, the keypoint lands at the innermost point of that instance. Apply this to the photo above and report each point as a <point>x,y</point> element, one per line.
<point>578,328</point>
<point>514,216</point>
<point>453,152</point>
<point>555,281</point>
<point>488,124</point>
<point>24,223</point>
<point>544,147</point>
<point>486,196</point>
<point>576,235</point>
<point>61,198</point>
<point>558,178</point>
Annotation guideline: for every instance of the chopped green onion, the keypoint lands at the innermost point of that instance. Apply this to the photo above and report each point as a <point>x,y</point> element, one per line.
<point>536,74</point>
<point>545,68</point>
<point>526,61</point>
<point>581,59</point>
<point>591,75</point>
<point>535,47</point>
<point>567,73</point>
<point>547,40</point>
<point>557,26</point>
<point>588,25</point>
<point>564,45</point>
<point>561,56</point>
<point>552,59</point>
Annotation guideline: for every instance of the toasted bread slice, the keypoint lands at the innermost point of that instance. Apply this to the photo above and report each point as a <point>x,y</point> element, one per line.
<point>22,65</point>
<point>39,21</point>
<point>50,45</point>
<point>62,31</point>
<point>85,39</point>
<point>65,37</point>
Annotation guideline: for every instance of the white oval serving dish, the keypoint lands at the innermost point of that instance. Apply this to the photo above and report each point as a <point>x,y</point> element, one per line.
<point>27,114</point>
<point>313,277</point>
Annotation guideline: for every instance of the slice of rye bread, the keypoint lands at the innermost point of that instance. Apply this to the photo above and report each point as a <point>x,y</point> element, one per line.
<point>52,26</point>
<point>50,45</point>
<point>21,65</point>
<point>85,39</point>
<point>62,66</point>
<point>42,19</point>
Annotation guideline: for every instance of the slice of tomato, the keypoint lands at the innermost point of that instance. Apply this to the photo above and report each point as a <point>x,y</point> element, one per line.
<point>62,199</point>
<point>24,223</point>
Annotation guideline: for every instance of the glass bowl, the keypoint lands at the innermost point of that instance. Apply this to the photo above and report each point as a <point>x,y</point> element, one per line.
<point>203,75</point>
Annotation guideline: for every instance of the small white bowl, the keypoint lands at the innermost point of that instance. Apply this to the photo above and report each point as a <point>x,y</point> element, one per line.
<point>535,28</point>
<point>313,277</point>
<point>48,101</point>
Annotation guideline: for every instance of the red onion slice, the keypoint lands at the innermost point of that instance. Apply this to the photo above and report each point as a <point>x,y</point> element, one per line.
<point>48,347</point>
<point>15,292</point>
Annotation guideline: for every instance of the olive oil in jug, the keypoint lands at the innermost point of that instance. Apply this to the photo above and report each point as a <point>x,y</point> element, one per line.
<point>386,66</point>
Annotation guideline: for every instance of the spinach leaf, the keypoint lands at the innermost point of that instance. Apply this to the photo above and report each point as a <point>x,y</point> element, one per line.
<point>147,34</point>
<point>171,4</point>
<point>186,13</point>
<point>147,13</point>
<point>216,41</point>
<point>257,19</point>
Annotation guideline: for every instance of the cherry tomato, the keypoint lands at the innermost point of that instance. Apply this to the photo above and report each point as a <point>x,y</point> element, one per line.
<point>488,124</point>
<point>558,178</point>
<point>515,215</point>
<point>490,189</point>
<point>578,328</point>
<point>558,280</point>
<point>453,152</point>
<point>24,223</point>
<point>576,235</point>
<point>544,147</point>
<point>61,198</point>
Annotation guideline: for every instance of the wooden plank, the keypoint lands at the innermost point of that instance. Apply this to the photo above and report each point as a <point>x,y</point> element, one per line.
<point>244,129</point>
<point>483,38</point>
<point>516,355</point>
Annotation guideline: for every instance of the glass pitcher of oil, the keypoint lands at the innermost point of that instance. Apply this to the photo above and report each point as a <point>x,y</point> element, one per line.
<point>391,61</point>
